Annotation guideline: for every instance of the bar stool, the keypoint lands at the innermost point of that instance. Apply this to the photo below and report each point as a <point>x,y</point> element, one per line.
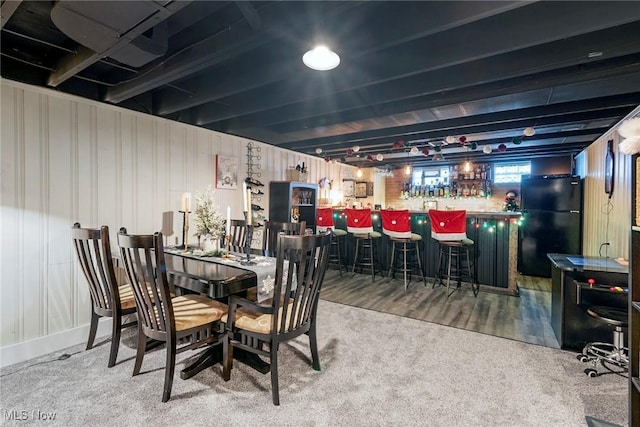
<point>449,228</point>
<point>324,222</point>
<point>397,226</point>
<point>613,354</point>
<point>360,226</point>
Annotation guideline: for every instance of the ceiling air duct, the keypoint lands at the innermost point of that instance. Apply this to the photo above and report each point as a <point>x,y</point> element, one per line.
<point>101,25</point>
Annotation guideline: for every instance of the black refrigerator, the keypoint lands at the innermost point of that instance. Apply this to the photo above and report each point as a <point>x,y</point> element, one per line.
<point>552,211</point>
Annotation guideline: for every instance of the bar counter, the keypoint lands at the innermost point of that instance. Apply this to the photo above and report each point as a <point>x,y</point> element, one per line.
<point>496,246</point>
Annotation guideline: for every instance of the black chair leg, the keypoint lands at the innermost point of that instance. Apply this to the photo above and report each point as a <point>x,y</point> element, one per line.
<point>313,343</point>
<point>227,357</point>
<point>169,370</point>
<point>115,339</point>
<point>93,327</point>
<point>275,393</point>
<point>141,347</point>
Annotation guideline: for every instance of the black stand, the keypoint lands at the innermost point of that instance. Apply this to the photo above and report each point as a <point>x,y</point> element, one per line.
<point>185,229</point>
<point>247,245</point>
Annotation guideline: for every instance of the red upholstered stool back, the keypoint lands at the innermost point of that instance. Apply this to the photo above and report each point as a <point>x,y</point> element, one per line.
<point>448,225</point>
<point>324,220</point>
<point>359,221</point>
<point>396,223</point>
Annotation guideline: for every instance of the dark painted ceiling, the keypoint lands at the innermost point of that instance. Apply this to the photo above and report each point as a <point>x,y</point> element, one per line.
<point>411,73</point>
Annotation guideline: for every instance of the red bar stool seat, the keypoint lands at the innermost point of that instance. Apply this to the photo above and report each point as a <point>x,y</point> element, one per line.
<point>449,228</point>
<point>324,222</point>
<point>404,244</point>
<point>360,226</point>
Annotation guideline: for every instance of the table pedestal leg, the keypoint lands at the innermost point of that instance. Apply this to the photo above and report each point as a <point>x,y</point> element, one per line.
<point>213,355</point>
<point>204,360</point>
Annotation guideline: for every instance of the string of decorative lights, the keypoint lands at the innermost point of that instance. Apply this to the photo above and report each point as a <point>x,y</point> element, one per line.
<point>400,146</point>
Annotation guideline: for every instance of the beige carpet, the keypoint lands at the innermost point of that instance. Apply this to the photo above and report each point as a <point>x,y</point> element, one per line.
<point>378,369</point>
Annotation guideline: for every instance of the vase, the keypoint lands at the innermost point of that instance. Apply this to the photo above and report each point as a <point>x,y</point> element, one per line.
<point>210,244</point>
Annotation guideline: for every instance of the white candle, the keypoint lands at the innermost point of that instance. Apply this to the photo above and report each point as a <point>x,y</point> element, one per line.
<point>244,197</point>
<point>185,202</point>
<point>249,214</point>
<point>228,220</point>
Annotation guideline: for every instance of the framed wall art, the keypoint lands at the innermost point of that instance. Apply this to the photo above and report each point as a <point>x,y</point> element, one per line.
<point>361,189</point>
<point>369,189</point>
<point>226,172</point>
<point>347,187</point>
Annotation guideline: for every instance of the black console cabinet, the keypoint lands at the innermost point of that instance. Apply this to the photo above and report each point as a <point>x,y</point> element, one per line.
<point>571,295</point>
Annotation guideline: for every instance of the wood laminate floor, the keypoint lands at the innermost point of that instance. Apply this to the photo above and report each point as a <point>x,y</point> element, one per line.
<point>525,318</point>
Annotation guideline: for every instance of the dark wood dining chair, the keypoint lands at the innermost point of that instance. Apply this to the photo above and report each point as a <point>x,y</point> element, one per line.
<point>238,232</point>
<point>271,231</point>
<point>290,313</point>
<point>194,319</point>
<point>108,299</point>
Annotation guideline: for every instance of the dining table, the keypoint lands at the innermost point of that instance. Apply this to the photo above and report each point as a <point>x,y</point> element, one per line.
<point>219,278</point>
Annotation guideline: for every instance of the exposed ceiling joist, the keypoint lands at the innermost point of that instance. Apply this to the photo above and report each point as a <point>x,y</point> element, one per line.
<point>7,9</point>
<point>72,64</point>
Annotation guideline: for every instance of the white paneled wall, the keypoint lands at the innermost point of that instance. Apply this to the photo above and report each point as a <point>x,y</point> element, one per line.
<point>66,159</point>
<point>606,220</point>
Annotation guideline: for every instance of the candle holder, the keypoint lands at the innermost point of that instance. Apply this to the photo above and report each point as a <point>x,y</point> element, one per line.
<point>247,245</point>
<point>227,239</point>
<point>185,230</point>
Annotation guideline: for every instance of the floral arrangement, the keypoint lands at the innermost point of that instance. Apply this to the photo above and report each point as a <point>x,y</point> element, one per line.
<point>208,221</point>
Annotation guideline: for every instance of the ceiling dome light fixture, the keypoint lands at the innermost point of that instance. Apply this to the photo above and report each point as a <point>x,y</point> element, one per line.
<point>355,148</point>
<point>321,58</point>
<point>379,157</point>
<point>529,131</point>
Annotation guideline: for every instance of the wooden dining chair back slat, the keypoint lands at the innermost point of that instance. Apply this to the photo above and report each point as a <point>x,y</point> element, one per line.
<point>271,231</point>
<point>93,251</point>
<point>190,319</point>
<point>238,232</point>
<point>292,310</point>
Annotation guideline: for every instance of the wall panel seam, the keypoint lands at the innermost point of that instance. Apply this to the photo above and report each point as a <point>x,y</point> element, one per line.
<point>118,168</point>
<point>44,207</point>
<point>73,176</point>
<point>19,203</point>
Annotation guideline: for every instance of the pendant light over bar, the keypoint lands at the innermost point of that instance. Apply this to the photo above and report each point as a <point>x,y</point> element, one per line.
<point>321,58</point>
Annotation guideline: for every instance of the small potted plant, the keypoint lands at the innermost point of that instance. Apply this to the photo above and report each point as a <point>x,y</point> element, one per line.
<point>209,222</point>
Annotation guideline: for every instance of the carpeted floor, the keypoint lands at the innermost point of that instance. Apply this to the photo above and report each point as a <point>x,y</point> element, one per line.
<point>377,369</point>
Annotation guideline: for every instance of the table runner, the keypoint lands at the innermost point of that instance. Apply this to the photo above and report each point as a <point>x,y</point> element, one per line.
<point>264,267</point>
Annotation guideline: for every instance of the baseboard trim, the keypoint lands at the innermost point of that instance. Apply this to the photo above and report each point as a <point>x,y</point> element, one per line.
<point>26,350</point>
